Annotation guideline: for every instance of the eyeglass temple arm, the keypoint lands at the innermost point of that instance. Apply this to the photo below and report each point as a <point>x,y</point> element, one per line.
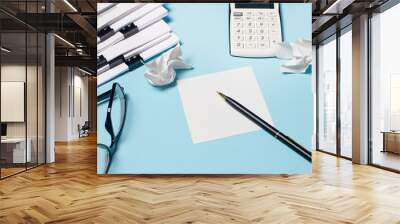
<point>104,96</point>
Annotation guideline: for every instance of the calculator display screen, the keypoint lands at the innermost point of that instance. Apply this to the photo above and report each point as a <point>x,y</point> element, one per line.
<point>254,5</point>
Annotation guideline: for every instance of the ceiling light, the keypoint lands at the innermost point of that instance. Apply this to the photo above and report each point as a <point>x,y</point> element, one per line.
<point>64,40</point>
<point>5,50</point>
<point>338,6</point>
<point>70,5</point>
<point>84,71</point>
<point>79,51</point>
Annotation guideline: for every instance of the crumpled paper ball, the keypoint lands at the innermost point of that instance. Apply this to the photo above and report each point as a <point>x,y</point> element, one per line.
<point>299,54</point>
<point>162,70</point>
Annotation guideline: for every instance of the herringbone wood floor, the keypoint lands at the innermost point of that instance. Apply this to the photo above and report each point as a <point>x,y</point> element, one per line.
<point>69,191</point>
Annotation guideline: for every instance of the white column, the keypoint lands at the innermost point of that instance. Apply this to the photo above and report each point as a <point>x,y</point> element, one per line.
<point>314,91</point>
<point>360,90</point>
<point>50,100</point>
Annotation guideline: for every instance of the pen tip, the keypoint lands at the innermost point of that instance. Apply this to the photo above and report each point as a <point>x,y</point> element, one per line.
<point>221,94</point>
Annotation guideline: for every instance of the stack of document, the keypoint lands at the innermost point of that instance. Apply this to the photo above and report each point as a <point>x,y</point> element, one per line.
<point>129,34</point>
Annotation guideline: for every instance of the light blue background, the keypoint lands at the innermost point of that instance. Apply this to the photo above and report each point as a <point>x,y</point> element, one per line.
<point>156,138</point>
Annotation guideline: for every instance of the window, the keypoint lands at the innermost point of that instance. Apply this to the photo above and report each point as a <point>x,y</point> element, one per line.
<point>346,93</point>
<point>327,96</point>
<point>334,138</point>
<point>385,89</point>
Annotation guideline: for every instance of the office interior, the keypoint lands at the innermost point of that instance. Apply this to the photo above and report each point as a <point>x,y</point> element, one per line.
<point>357,81</point>
<point>356,116</point>
<point>48,86</point>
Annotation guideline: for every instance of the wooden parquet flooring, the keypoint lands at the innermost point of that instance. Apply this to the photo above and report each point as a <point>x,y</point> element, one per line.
<point>10,171</point>
<point>70,191</point>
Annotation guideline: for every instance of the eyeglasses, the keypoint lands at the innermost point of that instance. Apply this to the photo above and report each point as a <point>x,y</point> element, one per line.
<point>115,120</point>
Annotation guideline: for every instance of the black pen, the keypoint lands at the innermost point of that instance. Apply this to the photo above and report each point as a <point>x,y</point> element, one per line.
<point>267,127</point>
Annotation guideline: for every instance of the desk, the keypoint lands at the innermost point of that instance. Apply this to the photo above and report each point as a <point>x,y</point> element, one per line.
<point>391,141</point>
<point>156,138</point>
<point>13,150</point>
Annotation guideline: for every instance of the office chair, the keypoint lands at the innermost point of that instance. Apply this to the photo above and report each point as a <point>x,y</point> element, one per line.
<point>84,130</point>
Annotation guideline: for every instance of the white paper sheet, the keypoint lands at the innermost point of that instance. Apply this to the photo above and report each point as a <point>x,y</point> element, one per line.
<point>208,116</point>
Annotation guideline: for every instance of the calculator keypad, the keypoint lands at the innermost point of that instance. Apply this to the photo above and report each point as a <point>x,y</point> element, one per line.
<point>255,29</point>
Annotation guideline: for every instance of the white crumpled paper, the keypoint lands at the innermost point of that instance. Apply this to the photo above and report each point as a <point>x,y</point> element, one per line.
<point>162,70</point>
<point>299,54</point>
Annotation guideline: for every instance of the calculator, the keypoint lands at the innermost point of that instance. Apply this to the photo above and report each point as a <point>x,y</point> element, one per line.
<point>255,29</point>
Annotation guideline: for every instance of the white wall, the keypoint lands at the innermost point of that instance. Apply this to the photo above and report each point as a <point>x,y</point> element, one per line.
<point>33,126</point>
<point>61,103</point>
<point>69,82</point>
<point>12,73</point>
<point>80,83</point>
<point>17,72</point>
<point>13,101</point>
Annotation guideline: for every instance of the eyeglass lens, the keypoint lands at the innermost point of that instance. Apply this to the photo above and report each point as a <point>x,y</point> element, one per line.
<point>117,114</point>
<point>103,158</point>
<point>118,110</point>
